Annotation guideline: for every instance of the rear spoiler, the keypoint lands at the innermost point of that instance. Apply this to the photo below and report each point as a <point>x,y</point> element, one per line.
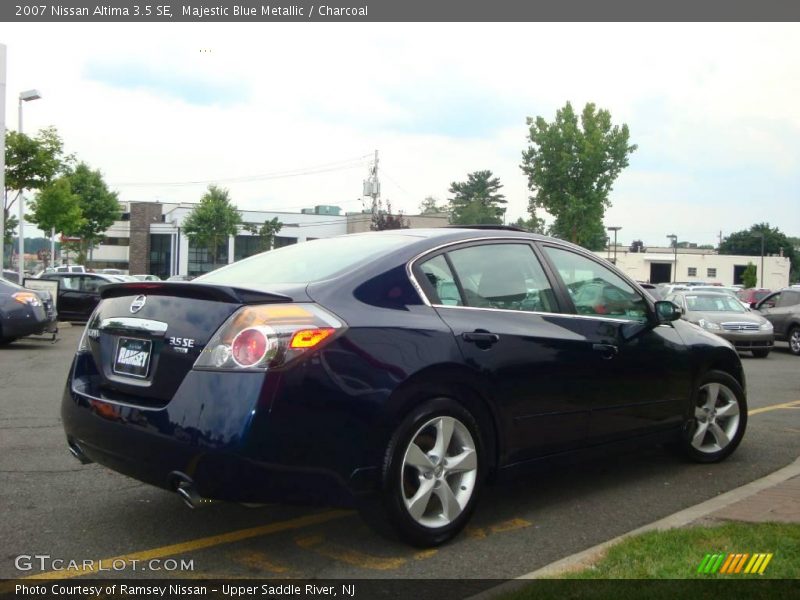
<point>197,291</point>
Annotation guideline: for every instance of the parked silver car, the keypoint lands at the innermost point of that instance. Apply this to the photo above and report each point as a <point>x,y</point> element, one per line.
<point>782,309</point>
<point>725,316</point>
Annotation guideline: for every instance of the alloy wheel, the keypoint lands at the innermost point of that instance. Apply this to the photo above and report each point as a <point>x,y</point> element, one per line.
<point>717,418</point>
<point>439,472</point>
<point>794,341</point>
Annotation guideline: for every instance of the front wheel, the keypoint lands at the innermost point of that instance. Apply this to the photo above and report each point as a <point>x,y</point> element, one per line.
<point>433,472</point>
<point>719,421</point>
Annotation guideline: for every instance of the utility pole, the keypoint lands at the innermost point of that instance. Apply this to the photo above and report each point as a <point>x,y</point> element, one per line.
<point>372,188</point>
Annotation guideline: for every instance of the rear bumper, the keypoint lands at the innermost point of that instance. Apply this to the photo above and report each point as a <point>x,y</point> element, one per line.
<point>221,441</point>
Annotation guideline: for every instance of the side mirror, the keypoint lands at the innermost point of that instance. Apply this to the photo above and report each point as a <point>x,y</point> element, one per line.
<point>666,311</point>
<point>753,304</point>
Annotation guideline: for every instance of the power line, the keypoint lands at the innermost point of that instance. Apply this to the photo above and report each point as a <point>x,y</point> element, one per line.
<point>340,165</point>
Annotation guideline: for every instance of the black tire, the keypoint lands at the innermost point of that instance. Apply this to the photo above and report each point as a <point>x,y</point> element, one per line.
<point>731,399</point>
<point>388,512</point>
<point>794,340</point>
<point>761,353</point>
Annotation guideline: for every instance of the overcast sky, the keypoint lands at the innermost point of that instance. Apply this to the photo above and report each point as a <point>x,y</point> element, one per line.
<point>714,109</point>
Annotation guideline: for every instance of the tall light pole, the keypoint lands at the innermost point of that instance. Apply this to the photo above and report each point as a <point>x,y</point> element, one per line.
<point>2,154</point>
<point>674,239</point>
<point>761,268</point>
<point>615,229</point>
<point>25,96</point>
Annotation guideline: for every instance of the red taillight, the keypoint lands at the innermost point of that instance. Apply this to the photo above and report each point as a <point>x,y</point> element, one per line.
<point>308,338</point>
<point>249,347</point>
<point>269,336</point>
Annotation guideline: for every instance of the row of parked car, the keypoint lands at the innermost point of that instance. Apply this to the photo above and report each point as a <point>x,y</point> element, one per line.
<point>25,311</point>
<point>751,319</point>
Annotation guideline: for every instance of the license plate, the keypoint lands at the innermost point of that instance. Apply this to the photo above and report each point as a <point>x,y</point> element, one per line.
<point>132,357</point>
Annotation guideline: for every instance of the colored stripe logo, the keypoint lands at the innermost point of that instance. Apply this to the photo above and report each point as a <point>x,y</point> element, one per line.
<point>734,564</point>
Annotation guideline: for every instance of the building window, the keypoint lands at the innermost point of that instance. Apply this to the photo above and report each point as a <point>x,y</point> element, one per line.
<point>711,272</point>
<point>692,271</point>
<point>246,245</point>
<point>116,241</point>
<point>201,261</point>
<point>160,255</point>
<point>280,241</point>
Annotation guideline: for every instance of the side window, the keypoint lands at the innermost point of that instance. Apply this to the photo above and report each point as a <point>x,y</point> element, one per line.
<point>68,283</point>
<point>771,301</point>
<point>594,289</point>
<point>789,299</point>
<point>505,276</point>
<point>89,284</point>
<point>439,275</point>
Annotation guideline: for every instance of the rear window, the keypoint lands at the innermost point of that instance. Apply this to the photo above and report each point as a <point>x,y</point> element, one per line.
<point>308,261</point>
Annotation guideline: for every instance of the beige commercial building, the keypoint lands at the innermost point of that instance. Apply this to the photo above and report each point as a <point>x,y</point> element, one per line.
<point>657,265</point>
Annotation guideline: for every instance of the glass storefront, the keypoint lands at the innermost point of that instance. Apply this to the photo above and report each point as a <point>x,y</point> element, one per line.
<point>246,245</point>
<point>200,259</point>
<point>160,254</point>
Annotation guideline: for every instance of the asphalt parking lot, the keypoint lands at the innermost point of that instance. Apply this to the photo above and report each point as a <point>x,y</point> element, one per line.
<point>54,506</point>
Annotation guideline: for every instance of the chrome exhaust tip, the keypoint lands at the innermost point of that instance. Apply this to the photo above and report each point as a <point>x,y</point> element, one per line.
<point>189,495</point>
<point>187,491</point>
<point>76,451</point>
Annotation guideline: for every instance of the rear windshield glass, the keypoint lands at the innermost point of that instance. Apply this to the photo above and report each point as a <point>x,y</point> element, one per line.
<point>308,261</point>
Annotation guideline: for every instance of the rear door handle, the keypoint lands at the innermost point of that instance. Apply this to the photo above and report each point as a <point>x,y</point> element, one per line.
<point>483,339</point>
<point>607,351</point>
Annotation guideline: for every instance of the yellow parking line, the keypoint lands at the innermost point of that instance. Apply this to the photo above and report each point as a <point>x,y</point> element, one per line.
<point>260,562</point>
<point>479,533</point>
<point>201,543</point>
<point>355,558</point>
<point>755,411</point>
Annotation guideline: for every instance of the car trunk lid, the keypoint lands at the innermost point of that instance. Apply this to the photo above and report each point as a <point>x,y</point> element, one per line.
<point>145,336</point>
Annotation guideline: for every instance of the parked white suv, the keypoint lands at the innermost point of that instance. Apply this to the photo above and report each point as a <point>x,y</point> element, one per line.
<point>70,269</point>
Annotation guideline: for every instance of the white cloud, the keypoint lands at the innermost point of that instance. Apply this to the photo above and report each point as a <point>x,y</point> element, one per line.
<point>715,109</point>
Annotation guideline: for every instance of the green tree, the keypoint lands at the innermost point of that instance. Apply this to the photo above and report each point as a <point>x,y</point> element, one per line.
<point>431,206</point>
<point>56,207</point>
<point>384,219</point>
<point>748,243</point>
<point>99,207</point>
<point>31,164</point>
<point>212,221</point>
<point>534,224</point>
<point>477,200</point>
<point>571,168</point>
<point>266,232</point>
<point>749,276</point>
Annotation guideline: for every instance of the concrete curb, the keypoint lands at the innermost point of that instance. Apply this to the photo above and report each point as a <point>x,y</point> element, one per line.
<point>678,519</point>
<point>64,324</point>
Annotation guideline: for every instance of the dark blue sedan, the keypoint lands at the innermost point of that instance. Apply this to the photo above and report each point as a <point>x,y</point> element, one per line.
<point>24,312</point>
<point>397,372</point>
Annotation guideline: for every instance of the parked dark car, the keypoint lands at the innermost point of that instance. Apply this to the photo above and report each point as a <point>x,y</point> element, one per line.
<point>78,293</point>
<point>394,371</point>
<point>24,312</point>
<point>10,275</point>
<point>782,309</point>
